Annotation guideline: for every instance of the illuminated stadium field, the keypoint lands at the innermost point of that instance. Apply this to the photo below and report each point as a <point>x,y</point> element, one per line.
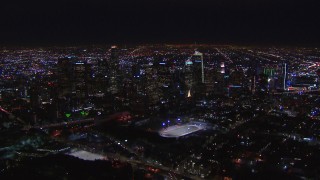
<point>180,130</point>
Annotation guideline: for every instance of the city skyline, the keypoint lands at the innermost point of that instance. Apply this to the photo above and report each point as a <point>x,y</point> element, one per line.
<point>159,112</point>
<point>160,89</point>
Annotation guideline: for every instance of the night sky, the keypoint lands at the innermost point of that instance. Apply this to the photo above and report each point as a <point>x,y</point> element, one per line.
<point>288,22</point>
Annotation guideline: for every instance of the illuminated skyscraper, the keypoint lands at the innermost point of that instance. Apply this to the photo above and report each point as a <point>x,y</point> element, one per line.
<point>152,90</point>
<point>114,55</point>
<point>198,67</point>
<point>270,73</point>
<point>282,76</point>
<point>222,68</point>
<point>284,72</point>
<point>81,78</point>
<point>101,77</point>
<point>73,77</point>
<point>165,77</point>
<point>114,73</point>
<point>194,74</point>
<point>188,76</point>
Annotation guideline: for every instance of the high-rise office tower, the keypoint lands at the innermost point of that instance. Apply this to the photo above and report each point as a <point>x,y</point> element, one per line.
<point>198,75</point>
<point>270,73</point>
<point>114,73</point>
<point>34,97</point>
<point>81,78</point>
<point>198,67</point>
<point>222,68</point>
<point>137,76</point>
<point>73,77</point>
<point>194,75</point>
<point>209,74</point>
<point>164,77</point>
<point>252,76</point>
<point>285,72</point>
<point>282,76</point>
<point>114,55</point>
<point>153,92</point>
<point>101,77</point>
<point>64,73</point>
<point>188,77</point>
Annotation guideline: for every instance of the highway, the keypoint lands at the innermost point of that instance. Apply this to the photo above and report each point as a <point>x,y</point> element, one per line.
<point>11,115</point>
<point>67,123</point>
